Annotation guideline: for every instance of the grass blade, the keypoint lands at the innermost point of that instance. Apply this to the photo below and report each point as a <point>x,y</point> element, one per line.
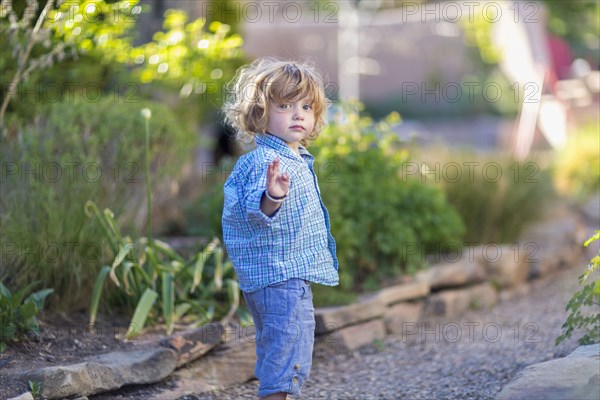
<point>91,209</point>
<point>219,268</point>
<point>233,291</point>
<point>118,260</point>
<point>167,250</point>
<point>97,292</point>
<point>168,299</point>
<point>141,313</point>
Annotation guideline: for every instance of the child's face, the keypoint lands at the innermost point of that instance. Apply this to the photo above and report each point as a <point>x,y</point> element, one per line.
<point>291,121</point>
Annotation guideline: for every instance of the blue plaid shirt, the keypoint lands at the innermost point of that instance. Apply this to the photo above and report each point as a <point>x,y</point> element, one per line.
<point>295,242</point>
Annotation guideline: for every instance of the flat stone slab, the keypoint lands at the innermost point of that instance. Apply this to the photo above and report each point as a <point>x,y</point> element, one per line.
<point>454,302</point>
<point>355,336</point>
<point>404,292</point>
<point>466,271</point>
<point>576,376</point>
<point>505,264</point>
<point>24,396</point>
<point>329,319</point>
<point>104,373</point>
<point>229,364</point>
<point>397,316</point>
<point>192,344</point>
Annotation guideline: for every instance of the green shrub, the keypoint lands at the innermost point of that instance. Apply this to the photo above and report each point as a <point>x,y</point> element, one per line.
<point>383,222</point>
<point>18,314</point>
<point>588,296</point>
<point>577,166</point>
<point>78,151</point>
<point>496,196</point>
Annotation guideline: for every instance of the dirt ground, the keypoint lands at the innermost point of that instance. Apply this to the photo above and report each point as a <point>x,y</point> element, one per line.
<point>63,339</point>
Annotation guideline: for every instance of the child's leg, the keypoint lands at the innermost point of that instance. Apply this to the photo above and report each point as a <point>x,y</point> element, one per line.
<point>258,325</point>
<point>285,343</point>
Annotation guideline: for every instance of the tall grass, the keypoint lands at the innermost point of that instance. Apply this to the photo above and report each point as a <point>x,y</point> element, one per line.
<point>496,196</point>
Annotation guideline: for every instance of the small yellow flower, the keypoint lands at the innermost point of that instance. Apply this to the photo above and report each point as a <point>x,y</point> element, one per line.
<point>146,113</point>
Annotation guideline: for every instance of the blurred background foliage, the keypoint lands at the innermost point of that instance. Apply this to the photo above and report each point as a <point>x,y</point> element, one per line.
<point>79,101</point>
<point>186,64</point>
<point>495,195</point>
<point>577,167</point>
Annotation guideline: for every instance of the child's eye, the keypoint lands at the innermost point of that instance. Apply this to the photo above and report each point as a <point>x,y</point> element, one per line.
<point>286,106</point>
<point>308,107</point>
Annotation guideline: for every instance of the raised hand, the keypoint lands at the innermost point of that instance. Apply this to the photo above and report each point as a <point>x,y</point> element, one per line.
<point>277,185</point>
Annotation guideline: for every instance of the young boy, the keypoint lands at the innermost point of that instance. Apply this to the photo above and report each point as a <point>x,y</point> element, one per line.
<point>275,226</point>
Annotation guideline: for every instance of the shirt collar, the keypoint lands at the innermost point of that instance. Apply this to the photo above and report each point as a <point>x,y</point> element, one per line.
<point>269,140</point>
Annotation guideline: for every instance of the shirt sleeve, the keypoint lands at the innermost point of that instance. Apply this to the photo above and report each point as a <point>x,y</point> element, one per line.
<point>254,188</point>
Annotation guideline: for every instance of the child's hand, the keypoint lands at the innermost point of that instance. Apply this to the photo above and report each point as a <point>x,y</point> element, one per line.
<point>277,185</point>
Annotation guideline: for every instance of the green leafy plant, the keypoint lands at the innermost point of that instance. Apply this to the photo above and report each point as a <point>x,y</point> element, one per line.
<point>35,388</point>
<point>382,221</point>
<point>72,152</point>
<point>18,314</point>
<point>588,296</point>
<point>159,282</point>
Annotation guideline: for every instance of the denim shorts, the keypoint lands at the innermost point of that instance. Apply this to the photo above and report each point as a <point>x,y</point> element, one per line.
<point>284,317</point>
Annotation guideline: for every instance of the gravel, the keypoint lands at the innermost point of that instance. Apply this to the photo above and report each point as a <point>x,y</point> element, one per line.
<point>471,357</point>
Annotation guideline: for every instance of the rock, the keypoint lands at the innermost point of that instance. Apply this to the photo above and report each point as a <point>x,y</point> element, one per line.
<point>591,210</point>
<point>518,291</point>
<point>329,319</point>
<point>192,344</point>
<point>396,315</point>
<point>467,270</point>
<point>24,396</point>
<point>229,364</point>
<point>407,291</point>
<point>504,264</point>
<point>448,303</point>
<point>103,373</point>
<point>552,244</point>
<point>355,336</point>
<point>483,296</point>
<point>576,376</point>
<point>453,303</point>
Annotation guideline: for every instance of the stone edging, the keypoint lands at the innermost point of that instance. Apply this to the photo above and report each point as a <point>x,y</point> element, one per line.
<point>446,290</point>
<point>481,277</point>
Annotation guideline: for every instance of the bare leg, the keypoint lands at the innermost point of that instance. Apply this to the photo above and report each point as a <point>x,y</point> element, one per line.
<point>275,396</point>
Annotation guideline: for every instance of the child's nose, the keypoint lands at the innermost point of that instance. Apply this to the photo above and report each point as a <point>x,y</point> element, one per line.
<point>298,113</point>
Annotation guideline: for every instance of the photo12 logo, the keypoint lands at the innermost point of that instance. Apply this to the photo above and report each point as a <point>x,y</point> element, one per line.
<point>253,12</point>
<point>69,171</point>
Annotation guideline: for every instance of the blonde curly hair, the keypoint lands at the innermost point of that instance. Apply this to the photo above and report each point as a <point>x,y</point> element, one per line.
<point>268,80</point>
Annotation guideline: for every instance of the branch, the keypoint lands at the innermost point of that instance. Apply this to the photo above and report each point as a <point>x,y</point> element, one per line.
<point>21,65</point>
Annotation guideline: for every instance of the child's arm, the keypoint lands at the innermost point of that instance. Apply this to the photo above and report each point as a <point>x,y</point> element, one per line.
<point>277,186</point>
